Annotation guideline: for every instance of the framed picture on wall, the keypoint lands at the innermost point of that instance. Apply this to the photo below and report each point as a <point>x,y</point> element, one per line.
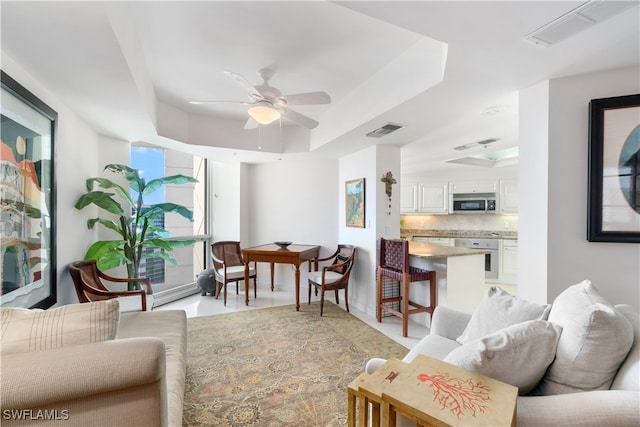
<point>354,203</point>
<point>614,170</point>
<point>27,199</point>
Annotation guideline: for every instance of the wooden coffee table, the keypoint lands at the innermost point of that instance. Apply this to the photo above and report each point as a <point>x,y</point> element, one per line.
<point>432,392</point>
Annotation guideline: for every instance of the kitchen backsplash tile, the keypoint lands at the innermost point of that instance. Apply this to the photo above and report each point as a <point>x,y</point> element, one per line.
<point>463,225</point>
<point>409,233</point>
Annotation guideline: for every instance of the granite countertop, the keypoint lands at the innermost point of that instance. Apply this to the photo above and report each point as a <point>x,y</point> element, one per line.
<point>429,250</point>
<point>409,233</point>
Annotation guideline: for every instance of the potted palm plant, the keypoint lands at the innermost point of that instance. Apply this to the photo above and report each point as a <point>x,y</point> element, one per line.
<point>132,220</point>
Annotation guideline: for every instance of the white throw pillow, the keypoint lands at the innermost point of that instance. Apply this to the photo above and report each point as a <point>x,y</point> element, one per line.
<point>25,330</point>
<point>628,376</point>
<point>499,309</point>
<point>518,355</point>
<point>595,340</point>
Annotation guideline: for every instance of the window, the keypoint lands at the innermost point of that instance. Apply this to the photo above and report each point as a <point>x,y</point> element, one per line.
<point>152,163</point>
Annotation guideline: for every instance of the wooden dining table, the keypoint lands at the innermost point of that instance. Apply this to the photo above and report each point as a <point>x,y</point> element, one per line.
<point>274,254</point>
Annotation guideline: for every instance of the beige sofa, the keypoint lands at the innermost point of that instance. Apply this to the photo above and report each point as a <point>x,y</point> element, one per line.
<point>136,379</point>
<point>588,374</point>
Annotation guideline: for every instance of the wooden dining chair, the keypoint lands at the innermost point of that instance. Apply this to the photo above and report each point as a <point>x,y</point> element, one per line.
<point>87,280</point>
<point>333,276</point>
<point>393,262</point>
<point>229,267</point>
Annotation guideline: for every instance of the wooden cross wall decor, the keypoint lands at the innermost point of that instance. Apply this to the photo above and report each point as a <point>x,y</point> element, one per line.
<point>388,180</point>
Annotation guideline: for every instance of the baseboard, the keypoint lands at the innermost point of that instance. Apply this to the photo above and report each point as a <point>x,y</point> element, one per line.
<point>174,293</point>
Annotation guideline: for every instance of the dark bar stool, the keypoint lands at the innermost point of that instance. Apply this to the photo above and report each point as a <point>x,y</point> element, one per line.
<point>393,262</point>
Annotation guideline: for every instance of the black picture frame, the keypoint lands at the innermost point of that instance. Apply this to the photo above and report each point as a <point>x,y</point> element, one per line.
<point>614,170</point>
<point>27,199</point>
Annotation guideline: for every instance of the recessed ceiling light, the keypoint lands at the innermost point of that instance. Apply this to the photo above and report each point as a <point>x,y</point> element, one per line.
<point>484,142</point>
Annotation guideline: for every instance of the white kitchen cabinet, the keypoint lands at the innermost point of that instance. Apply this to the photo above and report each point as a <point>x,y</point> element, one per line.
<point>508,197</point>
<point>469,187</point>
<point>426,197</point>
<point>508,265</point>
<point>408,198</point>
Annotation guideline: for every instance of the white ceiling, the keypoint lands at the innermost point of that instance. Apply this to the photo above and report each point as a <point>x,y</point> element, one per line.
<point>130,68</point>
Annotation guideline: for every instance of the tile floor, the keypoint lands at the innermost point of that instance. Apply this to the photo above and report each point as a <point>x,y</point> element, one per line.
<point>197,305</point>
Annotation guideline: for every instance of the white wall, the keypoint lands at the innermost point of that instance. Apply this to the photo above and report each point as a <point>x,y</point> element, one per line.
<point>464,173</point>
<point>614,268</point>
<point>226,203</point>
<point>568,257</point>
<point>533,188</point>
<point>370,164</point>
<point>297,201</point>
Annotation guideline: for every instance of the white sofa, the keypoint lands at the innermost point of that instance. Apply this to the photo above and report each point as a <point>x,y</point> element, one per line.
<point>592,378</point>
<point>88,365</point>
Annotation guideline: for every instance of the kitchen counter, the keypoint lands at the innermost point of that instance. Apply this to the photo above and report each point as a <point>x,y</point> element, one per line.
<point>429,250</point>
<point>459,273</point>
<point>409,233</point>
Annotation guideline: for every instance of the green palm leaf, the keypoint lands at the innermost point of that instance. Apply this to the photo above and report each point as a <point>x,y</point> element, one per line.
<point>102,200</point>
<point>130,174</point>
<point>154,184</point>
<point>105,223</point>
<point>160,208</point>
<point>108,184</point>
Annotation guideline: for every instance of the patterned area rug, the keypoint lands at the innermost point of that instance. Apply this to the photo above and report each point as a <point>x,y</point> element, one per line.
<point>276,367</point>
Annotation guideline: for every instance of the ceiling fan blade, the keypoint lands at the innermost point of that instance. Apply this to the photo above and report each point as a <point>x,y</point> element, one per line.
<point>301,119</point>
<point>220,102</point>
<point>252,92</point>
<point>251,123</point>
<point>308,98</point>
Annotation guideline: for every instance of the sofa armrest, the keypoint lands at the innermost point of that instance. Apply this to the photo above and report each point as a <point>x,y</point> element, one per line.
<point>590,408</point>
<point>448,323</point>
<point>374,364</point>
<point>111,381</point>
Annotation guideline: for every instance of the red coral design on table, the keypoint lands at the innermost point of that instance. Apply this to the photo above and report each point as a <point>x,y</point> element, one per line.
<point>458,395</point>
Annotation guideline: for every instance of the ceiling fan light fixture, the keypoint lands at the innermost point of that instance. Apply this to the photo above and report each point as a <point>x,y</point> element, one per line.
<point>263,112</point>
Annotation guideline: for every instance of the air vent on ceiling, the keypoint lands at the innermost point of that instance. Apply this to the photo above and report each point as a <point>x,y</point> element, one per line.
<point>384,130</point>
<point>473,144</point>
<point>579,19</point>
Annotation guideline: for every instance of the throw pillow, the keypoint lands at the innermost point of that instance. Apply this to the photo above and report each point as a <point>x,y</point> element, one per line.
<point>340,259</point>
<point>25,330</point>
<point>595,340</point>
<point>499,309</point>
<point>628,375</point>
<point>518,355</point>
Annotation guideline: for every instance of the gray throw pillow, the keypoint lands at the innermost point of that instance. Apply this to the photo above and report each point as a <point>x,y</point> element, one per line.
<point>499,309</point>
<point>518,355</point>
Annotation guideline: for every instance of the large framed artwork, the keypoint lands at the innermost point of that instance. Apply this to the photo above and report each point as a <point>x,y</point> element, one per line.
<point>27,198</point>
<point>354,203</point>
<point>614,170</point>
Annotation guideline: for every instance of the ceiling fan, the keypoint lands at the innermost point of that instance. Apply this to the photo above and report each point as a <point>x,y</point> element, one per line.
<point>267,104</point>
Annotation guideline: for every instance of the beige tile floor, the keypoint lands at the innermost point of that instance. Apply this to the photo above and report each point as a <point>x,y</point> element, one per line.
<point>197,305</point>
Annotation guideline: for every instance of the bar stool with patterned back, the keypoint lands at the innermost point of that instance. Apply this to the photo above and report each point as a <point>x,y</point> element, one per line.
<point>393,262</point>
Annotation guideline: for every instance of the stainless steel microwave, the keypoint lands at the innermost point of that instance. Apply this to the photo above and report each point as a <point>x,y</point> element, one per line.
<point>470,204</point>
